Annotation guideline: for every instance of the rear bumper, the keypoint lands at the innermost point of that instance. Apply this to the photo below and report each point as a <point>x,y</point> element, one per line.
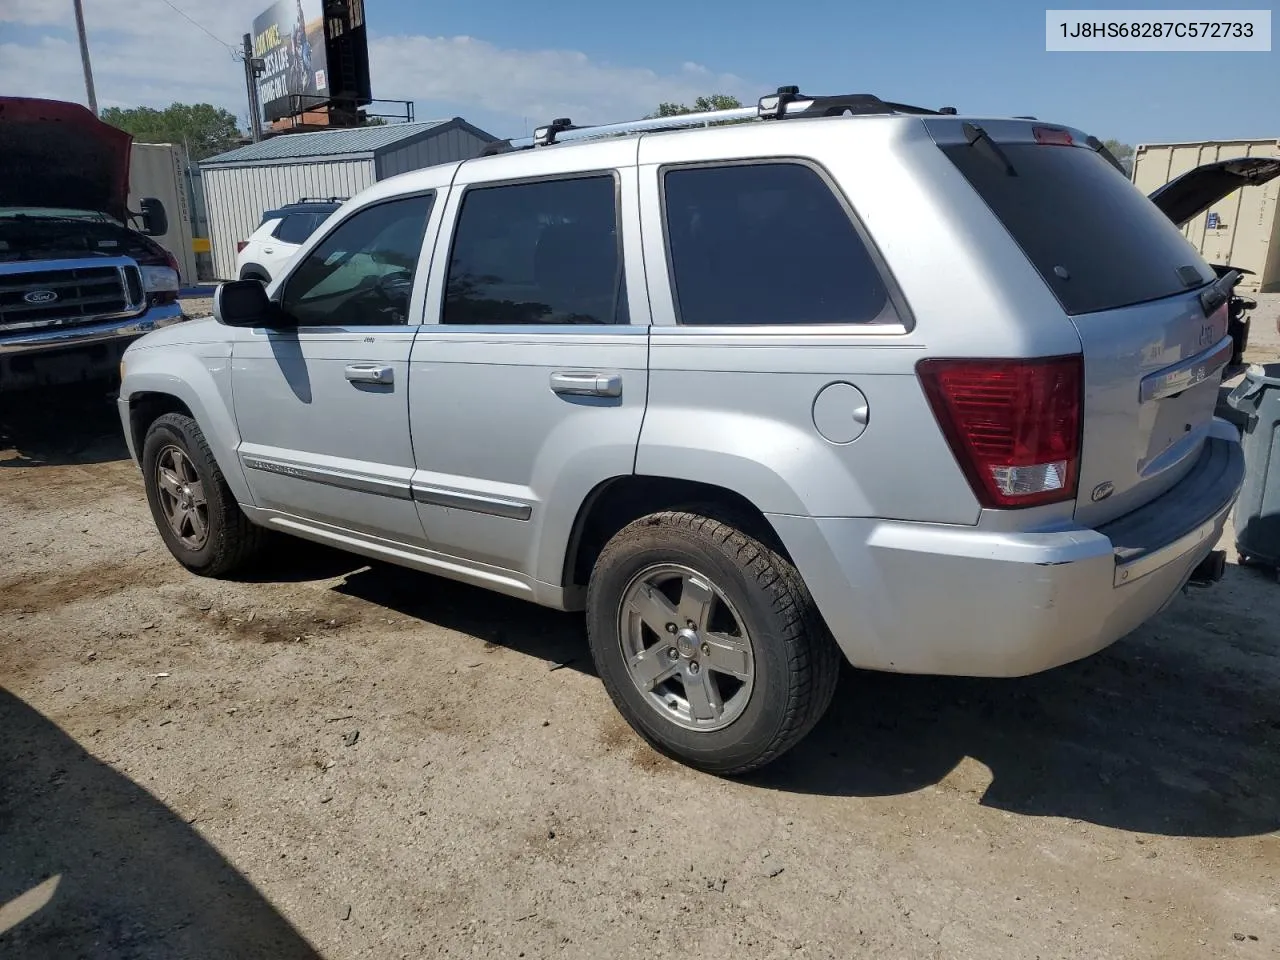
<point>54,356</point>
<point>941,599</point>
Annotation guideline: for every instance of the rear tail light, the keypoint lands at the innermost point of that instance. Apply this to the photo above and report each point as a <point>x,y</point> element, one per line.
<point>1013,425</point>
<point>241,244</point>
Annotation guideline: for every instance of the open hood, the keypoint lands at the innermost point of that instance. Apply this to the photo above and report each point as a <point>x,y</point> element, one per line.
<point>1196,190</point>
<point>57,154</point>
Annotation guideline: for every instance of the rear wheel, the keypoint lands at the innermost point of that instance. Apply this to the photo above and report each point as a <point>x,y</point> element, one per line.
<point>193,508</point>
<point>708,642</point>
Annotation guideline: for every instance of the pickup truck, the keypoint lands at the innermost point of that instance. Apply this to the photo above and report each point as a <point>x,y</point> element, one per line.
<point>77,284</point>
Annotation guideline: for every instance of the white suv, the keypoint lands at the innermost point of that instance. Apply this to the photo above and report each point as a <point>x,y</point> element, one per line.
<point>932,393</point>
<point>278,237</point>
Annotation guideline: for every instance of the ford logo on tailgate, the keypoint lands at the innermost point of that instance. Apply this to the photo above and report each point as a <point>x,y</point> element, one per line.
<point>40,296</point>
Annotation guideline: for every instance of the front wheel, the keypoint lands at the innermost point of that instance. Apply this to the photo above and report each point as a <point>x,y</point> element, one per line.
<point>708,642</point>
<point>193,508</point>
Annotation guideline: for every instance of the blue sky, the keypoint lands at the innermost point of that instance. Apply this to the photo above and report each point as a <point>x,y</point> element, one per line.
<point>505,64</point>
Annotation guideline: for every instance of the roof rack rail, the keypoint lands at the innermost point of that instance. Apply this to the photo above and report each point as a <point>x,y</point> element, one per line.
<point>787,103</point>
<point>322,200</point>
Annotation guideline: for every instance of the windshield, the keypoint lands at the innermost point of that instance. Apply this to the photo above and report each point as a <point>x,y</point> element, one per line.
<point>54,213</point>
<point>54,235</point>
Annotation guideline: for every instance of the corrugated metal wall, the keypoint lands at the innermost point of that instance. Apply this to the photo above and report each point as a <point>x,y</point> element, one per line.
<point>446,147</point>
<point>1247,223</point>
<point>236,196</point>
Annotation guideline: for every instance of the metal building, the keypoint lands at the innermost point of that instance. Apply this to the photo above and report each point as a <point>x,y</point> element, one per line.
<point>240,184</point>
<point>1243,228</point>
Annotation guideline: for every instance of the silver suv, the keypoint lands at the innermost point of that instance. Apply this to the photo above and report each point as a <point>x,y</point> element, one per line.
<point>827,376</point>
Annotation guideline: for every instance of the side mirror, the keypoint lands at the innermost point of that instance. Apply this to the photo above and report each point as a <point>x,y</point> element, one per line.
<point>244,303</point>
<point>155,222</point>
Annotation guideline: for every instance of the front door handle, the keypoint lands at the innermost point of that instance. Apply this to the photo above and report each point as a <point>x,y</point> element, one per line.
<point>586,383</point>
<point>369,373</point>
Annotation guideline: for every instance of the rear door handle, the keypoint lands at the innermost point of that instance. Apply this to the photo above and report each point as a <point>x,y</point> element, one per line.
<point>268,250</point>
<point>369,373</point>
<point>586,383</point>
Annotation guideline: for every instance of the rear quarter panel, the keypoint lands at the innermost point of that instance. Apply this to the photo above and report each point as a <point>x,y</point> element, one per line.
<point>734,405</point>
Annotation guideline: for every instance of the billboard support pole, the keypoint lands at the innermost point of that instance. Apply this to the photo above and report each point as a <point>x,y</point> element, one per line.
<point>251,82</point>
<point>84,58</point>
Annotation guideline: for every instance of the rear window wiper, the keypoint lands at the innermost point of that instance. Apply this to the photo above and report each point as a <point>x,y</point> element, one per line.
<point>977,137</point>
<point>1219,292</point>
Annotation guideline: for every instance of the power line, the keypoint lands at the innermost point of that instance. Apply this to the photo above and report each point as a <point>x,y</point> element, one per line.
<point>235,54</point>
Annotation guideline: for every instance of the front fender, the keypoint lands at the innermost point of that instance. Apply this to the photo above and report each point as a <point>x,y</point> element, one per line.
<point>200,377</point>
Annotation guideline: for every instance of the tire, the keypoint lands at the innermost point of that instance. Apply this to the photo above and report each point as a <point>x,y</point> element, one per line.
<point>789,658</point>
<point>230,541</point>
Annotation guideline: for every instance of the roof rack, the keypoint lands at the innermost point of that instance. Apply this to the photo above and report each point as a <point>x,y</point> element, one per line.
<point>322,200</point>
<point>787,104</point>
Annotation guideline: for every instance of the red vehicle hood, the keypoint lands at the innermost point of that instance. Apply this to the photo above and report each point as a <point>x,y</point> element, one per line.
<point>57,154</point>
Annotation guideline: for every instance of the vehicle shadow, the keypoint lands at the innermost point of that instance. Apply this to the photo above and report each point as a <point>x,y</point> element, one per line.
<point>1146,736</point>
<point>67,425</point>
<point>558,638</point>
<point>92,865</point>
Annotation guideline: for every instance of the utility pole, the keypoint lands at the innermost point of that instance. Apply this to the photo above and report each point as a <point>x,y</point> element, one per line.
<point>251,81</point>
<point>84,57</point>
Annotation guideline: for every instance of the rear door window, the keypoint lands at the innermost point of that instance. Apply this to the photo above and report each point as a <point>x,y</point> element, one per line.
<point>296,227</point>
<point>1094,238</point>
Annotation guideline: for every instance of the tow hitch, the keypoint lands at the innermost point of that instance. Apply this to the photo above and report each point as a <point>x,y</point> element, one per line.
<point>1210,569</point>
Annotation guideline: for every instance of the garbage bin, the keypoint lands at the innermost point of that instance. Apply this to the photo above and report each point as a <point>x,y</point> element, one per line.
<point>1256,399</point>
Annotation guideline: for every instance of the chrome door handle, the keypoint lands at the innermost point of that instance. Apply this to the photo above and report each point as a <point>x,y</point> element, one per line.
<point>268,249</point>
<point>586,383</point>
<point>369,373</point>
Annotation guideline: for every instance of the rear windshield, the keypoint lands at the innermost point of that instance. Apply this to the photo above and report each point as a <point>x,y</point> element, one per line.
<point>1095,239</point>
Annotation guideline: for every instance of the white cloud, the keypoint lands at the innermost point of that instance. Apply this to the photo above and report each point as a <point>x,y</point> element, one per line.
<point>539,84</point>
<point>144,53</point>
<point>36,13</point>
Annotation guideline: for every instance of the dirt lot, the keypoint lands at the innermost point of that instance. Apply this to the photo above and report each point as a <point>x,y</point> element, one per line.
<point>342,760</point>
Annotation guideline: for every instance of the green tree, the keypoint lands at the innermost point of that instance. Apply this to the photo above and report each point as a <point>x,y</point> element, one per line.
<point>1121,151</point>
<point>716,101</point>
<point>204,129</point>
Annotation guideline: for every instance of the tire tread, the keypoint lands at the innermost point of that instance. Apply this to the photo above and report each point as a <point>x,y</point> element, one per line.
<point>238,540</point>
<point>812,654</point>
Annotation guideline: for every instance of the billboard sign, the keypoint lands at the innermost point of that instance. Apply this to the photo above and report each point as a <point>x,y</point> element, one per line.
<point>289,36</point>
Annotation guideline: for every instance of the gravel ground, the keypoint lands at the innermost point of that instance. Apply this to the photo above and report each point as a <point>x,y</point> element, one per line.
<point>335,759</point>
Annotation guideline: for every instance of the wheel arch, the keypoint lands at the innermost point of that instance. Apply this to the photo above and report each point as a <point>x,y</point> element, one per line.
<point>618,501</point>
<point>175,382</point>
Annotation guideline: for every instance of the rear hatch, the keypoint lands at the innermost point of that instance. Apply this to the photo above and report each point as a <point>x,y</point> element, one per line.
<point>1190,194</point>
<point>1150,313</point>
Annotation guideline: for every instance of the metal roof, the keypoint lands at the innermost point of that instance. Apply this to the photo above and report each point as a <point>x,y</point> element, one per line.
<point>352,142</point>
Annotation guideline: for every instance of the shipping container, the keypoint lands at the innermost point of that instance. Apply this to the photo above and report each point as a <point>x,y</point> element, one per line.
<point>1243,228</point>
<point>158,170</point>
<point>241,184</point>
